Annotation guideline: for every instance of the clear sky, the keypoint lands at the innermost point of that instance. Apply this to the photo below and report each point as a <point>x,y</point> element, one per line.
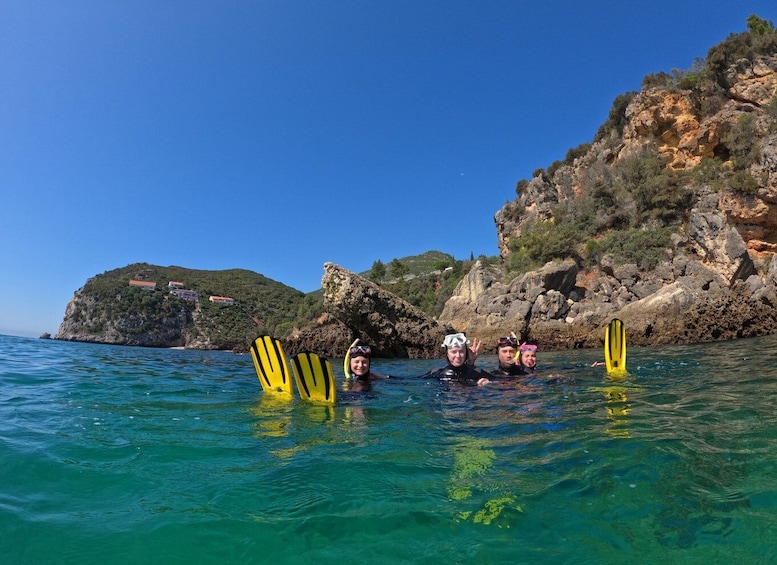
<point>278,135</point>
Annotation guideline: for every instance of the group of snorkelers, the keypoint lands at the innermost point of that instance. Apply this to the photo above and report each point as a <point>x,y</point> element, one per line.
<point>460,354</point>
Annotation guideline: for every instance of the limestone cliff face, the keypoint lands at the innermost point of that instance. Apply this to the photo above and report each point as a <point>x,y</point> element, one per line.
<point>668,120</point>
<point>671,122</point>
<point>84,322</point>
<point>753,82</point>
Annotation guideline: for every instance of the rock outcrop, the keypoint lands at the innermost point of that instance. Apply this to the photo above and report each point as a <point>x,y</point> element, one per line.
<point>327,336</point>
<point>358,308</point>
<point>485,307</point>
<point>753,82</point>
<point>708,289</point>
<point>720,245</point>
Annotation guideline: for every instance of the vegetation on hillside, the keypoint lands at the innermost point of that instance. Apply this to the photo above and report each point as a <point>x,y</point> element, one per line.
<point>626,211</point>
<point>426,281</point>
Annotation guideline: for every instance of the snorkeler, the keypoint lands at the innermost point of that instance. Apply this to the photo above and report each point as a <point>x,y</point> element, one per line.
<point>358,366</point>
<point>359,363</point>
<point>527,357</point>
<point>460,362</point>
<point>506,349</point>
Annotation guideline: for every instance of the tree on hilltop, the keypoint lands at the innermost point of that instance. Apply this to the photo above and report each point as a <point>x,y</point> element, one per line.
<point>378,272</point>
<point>759,26</point>
<point>398,269</point>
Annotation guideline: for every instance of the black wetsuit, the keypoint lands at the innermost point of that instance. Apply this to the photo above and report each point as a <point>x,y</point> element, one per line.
<point>515,370</point>
<point>371,376</point>
<point>364,383</point>
<point>466,374</point>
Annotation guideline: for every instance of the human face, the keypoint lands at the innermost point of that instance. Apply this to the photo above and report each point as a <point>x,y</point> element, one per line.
<point>457,356</point>
<point>529,359</point>
<point>360,366</point>
<point>506,355</point>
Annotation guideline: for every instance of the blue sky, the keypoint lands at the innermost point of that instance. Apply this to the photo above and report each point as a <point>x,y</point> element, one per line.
<point>278,135</point>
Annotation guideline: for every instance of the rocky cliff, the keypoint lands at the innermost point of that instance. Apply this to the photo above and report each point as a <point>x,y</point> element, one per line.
<point>715,198</point>
<point>85,320</point>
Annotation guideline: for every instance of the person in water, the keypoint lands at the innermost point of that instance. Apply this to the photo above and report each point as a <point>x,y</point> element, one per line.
<point>460,359</point>
<point>360,367</point>
<point>527,358</point>
<point>506,348</point>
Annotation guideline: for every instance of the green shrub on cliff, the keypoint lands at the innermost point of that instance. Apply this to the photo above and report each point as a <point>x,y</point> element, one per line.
<point>708,172</point>
<point>658,80</point>
<point>512,211</point>
<point>659,193</point>
<point>742,182</point>
<point>541,242</point>
<point>616,119</point>
<point>760,39</point>
<point>771,111</point>
<point>644,247</point>
<point>741,142</point>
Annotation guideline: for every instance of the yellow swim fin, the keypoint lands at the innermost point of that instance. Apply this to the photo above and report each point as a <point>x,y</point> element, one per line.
<point>314,376</point>
<point>271,366</point>
<point>615,348</point>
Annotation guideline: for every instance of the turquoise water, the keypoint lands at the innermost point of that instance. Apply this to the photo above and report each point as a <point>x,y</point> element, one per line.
<point>127,455</point>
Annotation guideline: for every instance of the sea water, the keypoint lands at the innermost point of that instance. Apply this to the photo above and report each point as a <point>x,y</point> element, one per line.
<point>129,455</point>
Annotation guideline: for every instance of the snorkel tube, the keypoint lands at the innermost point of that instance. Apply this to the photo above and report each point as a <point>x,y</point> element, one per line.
<point>347,361</point>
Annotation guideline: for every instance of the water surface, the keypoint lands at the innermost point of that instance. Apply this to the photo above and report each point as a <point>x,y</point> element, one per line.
<point>128,455</point>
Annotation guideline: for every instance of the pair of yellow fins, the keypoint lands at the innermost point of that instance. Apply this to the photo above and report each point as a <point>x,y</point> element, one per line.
<point>313,374</point>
